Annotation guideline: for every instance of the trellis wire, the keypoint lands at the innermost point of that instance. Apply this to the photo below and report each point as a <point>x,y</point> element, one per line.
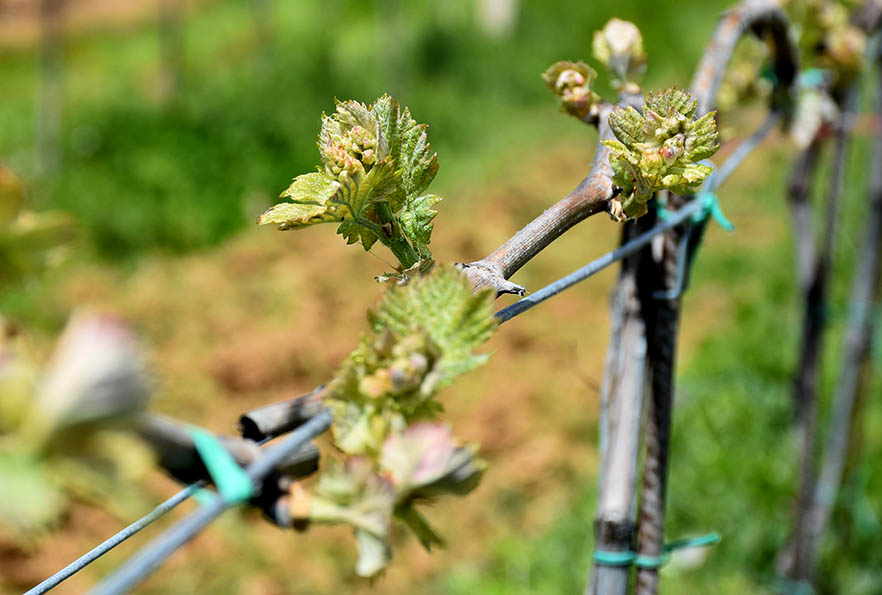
<point>631,247</point>
<point>117,539</point>
<point>142,564</point>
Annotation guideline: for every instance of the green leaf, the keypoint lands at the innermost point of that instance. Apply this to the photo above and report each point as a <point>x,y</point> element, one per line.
<point>358,233</point>
<point>11,195</point>
<point>357,194</point>
<point>417,523</point>
<point>423,461</point>
<point>417,161</point>
<point>416,222</point>
<point>30,503</point>
<point>445,305</point>
<point>316,198</point>
<point>405,141</point>
<point>309,195</point>
<point>355,494</point>
<point>659,149</point>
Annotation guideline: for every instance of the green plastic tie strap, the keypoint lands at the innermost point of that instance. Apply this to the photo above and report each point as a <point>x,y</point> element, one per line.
<point>711,206</point>
<point>614,558</point>
<point>232,483</point>
<point>661,210</point>
<point>812,77</point>
<point>628,558</point>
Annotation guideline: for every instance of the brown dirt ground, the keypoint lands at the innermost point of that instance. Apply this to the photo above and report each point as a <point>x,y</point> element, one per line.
<point>20,24</point>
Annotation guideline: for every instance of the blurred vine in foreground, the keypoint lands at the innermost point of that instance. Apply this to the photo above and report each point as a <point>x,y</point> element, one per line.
<point>63,426</point>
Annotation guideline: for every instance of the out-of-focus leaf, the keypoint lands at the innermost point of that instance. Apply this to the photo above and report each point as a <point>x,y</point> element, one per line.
<point>360,427</point>
<point>18,381</point>
<point>814,110</point>
<point>354,494</point>
<point>30,503</point>
<point>417,523</point>
<point>11,195</point>
<point>424,461</point>
<point>96,375</point>
<point>619,47</point>
<point>33,242</point>
<point>571,82</point>
<point>103,467</point>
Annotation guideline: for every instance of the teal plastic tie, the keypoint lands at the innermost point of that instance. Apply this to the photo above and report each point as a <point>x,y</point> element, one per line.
<point>232,483</point>
<point>628,558</point>
<point>204,496</point>
<point>711,207</point>
<point>812,77</point>
<point>661,210</point>
<point>768,72</point>
<point>877,339</point>
<point>614,558</point>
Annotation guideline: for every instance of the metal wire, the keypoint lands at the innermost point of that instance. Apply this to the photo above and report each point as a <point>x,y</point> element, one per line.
<point>148,559</point>
<point>114,541</point>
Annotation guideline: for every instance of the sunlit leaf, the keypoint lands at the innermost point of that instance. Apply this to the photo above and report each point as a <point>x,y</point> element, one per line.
<point>30,503</point>
<point>416,221</point>
<point>660,149</point>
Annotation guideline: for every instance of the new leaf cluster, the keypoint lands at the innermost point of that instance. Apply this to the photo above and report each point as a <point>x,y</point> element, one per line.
<point>660,149</point>
<point>383,398</point>
<point>376,164</point>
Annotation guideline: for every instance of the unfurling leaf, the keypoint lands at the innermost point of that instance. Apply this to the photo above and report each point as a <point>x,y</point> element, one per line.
<point>424,335</point>
<point>376,163</point>
<point>444,304</point>
<point>309,195</point>
<point>64,430</point>
<point>423,461</point>
<point>619,47</point>
<point>571,82</point>
<point>416,221</point>
<point>30,502</point>
<point>355,494</point>
<point>660,149</point>
<point>96,375</point>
